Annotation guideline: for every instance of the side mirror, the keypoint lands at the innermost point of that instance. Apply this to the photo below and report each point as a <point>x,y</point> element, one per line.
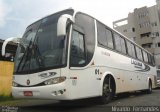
<point>12,39</point>
<point>62,23</point>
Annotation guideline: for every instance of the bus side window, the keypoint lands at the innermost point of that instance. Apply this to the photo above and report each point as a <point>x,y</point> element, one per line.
<point>78,56</point>
<point>105,38</point>
<point>117,42</point>
<point>139,53</point>
<point>120,43</point>
<point>151,60</point>
<point>131,49</point>
<point>109,38</point>
<point>123,45</point>
<point>102,40</point>
<point>145,56</point>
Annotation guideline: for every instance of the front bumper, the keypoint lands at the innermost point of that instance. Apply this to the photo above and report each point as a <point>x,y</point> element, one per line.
<point>55,91</point>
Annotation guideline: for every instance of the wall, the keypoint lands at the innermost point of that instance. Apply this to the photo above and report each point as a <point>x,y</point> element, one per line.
<point>6,71</point>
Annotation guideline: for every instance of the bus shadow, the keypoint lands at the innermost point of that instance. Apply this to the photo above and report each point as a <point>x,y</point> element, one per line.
<point>129,95</point>
<point>63,106</point>
<point>75,105</point>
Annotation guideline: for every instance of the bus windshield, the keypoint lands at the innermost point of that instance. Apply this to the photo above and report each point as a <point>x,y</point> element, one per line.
<point>40,48</point>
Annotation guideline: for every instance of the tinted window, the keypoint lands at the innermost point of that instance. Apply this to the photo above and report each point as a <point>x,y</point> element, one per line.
<point>149,59</point>
<point>77,49</point>
<point>41,49</point>
<point>109,38</point>
<point>153,61</point>
<point>145,56</point>
<point>123,45</point>
<point>131,49</point>
<point>104,36</point>
<point>139,53</point>
<point>117,42</point>
<point>120,43</point>
<point>86,23</point>
<point>102,40</point>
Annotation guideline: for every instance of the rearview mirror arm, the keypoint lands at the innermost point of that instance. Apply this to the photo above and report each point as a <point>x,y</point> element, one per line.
<point>12,39</point>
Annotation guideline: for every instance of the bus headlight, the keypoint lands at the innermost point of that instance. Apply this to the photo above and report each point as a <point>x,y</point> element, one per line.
<point>55,80</point>
<point>14,84</point>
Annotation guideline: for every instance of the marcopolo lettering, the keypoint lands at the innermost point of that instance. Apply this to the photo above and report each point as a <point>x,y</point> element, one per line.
<point>136,63</point>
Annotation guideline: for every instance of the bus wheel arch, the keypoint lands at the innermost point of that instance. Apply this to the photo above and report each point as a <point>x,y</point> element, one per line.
<point>108,88</point>
<point>149,90</point>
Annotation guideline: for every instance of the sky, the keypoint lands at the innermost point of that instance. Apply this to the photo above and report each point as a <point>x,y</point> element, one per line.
<point>16,15</point>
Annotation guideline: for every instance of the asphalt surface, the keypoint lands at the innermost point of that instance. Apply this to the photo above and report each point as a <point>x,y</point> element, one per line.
<point>131,100</point>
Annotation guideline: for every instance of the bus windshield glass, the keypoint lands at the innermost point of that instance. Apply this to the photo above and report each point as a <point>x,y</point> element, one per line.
<point>40,48</point>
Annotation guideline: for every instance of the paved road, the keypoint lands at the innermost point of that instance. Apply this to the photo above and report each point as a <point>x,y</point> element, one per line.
<point>91,105</point>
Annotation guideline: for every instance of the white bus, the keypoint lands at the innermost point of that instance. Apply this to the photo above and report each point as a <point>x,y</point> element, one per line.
<point>71,55</point>
<point>158,77</point>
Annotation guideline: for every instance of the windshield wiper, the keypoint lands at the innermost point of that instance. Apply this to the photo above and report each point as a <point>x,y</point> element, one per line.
<point>26,54</point>
<point>38,57</point>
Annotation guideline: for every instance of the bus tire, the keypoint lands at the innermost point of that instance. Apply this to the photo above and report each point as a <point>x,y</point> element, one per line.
<point>108,90</point>
<point>149,90</point>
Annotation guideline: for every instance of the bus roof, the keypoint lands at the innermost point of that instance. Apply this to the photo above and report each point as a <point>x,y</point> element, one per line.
<point>74,14</point>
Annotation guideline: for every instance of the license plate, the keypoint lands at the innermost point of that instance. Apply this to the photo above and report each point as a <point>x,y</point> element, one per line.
<point>28,93</point>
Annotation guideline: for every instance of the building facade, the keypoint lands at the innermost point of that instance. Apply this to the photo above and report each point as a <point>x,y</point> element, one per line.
<point>143,27</point>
